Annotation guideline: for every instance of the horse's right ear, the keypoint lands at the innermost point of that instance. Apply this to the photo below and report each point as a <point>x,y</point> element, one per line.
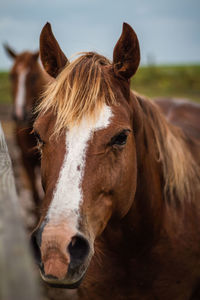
<point>52,57</point>
<point>10,51</point>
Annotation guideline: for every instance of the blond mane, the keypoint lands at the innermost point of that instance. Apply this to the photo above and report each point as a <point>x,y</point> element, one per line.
<point>80,90</point>
<point>181,172</point>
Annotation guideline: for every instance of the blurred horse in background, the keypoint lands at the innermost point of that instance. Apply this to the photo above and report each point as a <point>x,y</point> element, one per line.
<point>27,82</point>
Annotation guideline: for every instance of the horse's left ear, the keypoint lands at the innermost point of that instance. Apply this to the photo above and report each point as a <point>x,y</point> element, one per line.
<point>52,57</point>
<point>126,54</point>
<point>36,55</point>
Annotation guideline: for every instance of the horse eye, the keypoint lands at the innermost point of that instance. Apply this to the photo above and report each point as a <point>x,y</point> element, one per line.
<point>120,139</point>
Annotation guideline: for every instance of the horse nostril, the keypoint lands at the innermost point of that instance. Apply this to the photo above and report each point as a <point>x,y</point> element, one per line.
<point>36,249</point>
<point>78,250</point>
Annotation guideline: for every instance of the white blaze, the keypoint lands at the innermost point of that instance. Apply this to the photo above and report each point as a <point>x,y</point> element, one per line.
<point>67,196</point>
<point>21,91</point>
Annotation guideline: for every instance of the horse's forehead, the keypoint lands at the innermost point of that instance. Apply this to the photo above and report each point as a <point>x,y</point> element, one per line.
<point>113,115</point>
<point>87,127</point>
<point>23,62</point>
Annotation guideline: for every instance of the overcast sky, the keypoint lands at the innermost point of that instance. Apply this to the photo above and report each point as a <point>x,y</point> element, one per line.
<point>168,30</point>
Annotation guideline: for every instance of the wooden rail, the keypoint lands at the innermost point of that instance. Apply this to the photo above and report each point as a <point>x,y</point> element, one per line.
<point>17,278</point>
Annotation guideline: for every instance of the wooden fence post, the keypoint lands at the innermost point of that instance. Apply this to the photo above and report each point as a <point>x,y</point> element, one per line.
<point>17,278</point>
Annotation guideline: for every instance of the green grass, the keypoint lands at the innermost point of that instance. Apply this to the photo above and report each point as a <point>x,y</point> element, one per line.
<point>168,81</point>
<point>5,88</point>
<point>152,81</point>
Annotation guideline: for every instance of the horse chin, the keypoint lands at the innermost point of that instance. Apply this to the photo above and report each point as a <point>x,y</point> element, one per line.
<point>64,284</point>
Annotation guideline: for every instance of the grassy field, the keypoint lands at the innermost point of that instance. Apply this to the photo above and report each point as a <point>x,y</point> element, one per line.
<point>172,81</point>
<point>152,81</point>
<point>5,90</point>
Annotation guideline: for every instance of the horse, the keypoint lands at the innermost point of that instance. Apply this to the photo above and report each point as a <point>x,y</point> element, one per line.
<point>121,212</point>
<point>27,82</point>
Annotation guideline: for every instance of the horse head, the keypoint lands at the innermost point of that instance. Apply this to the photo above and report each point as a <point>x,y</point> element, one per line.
<point>26,78</point>
<point>85,134</point>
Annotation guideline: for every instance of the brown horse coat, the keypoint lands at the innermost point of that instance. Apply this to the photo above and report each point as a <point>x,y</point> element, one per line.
<point>129,228</point>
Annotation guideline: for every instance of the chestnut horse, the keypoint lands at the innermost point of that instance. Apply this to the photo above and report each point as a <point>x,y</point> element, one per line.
<point>27,82</point>
<point>121,213</point>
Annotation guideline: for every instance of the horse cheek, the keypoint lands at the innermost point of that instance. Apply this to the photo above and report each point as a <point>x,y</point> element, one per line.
<point>100,216</point>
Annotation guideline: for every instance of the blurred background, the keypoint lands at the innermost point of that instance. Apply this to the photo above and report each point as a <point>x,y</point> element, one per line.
<point>168,32</point>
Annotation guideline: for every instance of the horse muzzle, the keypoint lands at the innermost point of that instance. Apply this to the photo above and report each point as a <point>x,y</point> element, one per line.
<point>62,255</point>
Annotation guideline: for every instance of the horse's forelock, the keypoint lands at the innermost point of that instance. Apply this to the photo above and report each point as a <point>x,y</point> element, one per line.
<point>79,91</point>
